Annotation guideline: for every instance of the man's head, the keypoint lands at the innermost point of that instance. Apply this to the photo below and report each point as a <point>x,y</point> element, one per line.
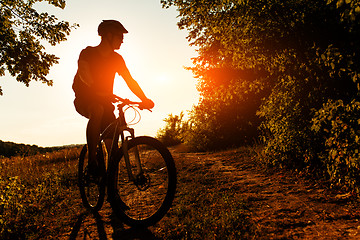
<point>112,31</point>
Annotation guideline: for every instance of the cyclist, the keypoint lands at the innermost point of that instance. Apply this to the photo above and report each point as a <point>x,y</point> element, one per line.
<point>93,85</point>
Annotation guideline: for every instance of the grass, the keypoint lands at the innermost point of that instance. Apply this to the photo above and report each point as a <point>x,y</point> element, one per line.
<point>203,209</point>
<point>34,191</point>
<point>39,199</point>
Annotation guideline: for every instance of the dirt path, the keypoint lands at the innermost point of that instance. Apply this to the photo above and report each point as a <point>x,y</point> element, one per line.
<point>284,207</point>
<point>280,205</point>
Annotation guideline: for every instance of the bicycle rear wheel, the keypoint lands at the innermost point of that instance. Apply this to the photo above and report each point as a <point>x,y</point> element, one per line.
<point>147,199</point>
<point>92,190</point>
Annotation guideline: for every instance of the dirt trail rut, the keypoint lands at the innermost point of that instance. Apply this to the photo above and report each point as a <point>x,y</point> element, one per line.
<point>281,206</point>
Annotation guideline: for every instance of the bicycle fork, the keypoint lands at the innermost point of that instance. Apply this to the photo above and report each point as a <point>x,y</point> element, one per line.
<point>135,151</point>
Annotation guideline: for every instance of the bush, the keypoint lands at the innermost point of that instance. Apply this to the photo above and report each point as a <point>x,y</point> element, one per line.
<point>11,204</point>
<point>33,190</point>
<point>286,125</point>
<point>172,133</point>
<point>336,124</point>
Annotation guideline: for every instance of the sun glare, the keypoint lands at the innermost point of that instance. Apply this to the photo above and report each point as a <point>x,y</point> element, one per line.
<point>163,78</point>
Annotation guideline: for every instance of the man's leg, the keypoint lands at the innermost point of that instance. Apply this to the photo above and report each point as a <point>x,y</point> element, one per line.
<point>108,145</point>
<point>108,118</point>
<point>93,133</point>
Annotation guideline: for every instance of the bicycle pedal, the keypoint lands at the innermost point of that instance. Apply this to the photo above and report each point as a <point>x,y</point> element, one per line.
<point>92,177</point>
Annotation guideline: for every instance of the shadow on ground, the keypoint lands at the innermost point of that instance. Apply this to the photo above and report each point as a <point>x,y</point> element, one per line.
<point>94,226</point>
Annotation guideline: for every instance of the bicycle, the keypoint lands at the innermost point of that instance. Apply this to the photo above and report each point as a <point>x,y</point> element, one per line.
<point>139,174</point>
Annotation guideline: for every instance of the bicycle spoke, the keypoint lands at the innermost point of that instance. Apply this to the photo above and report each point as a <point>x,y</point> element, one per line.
<point>144,203</point>
<point>151,194</point>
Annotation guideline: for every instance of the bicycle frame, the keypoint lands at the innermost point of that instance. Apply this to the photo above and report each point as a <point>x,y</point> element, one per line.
<point>141,192</point>
<point>118,129</point>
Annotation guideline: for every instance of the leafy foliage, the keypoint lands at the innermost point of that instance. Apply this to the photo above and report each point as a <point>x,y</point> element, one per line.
<point>296,55</point>
<point>225,115</point>
<point>321,64</point>
<point>29,187</point>
<point>336,126</point>
<point>21,29</point>
<point>11,205</point>
<point>172,133</point>
<point>230,83</point>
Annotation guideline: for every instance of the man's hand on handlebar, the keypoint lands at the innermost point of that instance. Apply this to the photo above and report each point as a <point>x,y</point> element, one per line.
<point>146,104</point>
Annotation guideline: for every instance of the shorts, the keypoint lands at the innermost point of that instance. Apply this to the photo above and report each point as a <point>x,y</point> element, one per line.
<point>82,106</point>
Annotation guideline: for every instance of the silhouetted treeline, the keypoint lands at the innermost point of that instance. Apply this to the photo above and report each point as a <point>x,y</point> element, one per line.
<point>10,149</point>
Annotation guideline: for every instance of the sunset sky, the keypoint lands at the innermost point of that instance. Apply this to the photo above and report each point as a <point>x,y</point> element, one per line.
<point>155,51</point>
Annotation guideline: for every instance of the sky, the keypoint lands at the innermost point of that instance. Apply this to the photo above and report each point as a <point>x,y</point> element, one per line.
<point>155,52</point>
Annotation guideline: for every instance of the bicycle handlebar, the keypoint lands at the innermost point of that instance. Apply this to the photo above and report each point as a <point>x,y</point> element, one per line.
<point>124,101</point>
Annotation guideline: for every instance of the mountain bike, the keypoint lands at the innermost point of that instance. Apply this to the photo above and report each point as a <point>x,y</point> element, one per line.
<point>139,173</point>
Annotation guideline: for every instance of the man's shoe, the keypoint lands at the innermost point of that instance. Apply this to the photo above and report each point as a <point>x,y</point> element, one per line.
<point>92,174</point>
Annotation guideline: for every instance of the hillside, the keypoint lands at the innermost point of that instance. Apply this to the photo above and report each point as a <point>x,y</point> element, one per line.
<point>11,149</point>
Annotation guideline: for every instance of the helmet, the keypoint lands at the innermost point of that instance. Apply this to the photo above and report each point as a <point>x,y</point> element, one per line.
<point>111,26</point>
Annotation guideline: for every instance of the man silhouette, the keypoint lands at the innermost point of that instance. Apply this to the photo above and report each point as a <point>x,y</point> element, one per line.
<point>93,84</point>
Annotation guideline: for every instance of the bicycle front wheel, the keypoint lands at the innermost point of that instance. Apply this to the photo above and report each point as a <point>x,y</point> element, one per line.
<point>144,200</point>
<point>92,190</point>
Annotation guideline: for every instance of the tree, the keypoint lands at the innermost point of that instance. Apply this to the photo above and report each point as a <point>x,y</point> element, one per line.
<point>230,76</point>
<point>319,63</point>
<point>21,30</point>
<point>296,53</point>
<point>226,113</point>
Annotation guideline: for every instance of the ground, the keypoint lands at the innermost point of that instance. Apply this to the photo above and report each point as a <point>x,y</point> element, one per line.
<point>281,205</point>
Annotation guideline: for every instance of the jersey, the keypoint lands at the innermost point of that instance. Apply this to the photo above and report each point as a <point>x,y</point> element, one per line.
<point>102,69</point>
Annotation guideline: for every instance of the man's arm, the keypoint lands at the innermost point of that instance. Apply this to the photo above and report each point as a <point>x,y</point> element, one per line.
<point>134,87</point>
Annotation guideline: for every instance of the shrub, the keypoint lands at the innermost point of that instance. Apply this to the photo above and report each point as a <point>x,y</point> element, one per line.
<point>337,125</point>
<point>33,190</point>
<point>172,133</point>
<point>11,204</point>
<point>284,126</point>
<point>230,114</point>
